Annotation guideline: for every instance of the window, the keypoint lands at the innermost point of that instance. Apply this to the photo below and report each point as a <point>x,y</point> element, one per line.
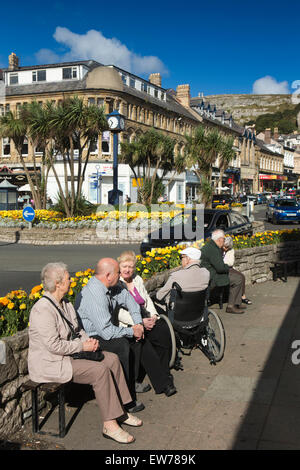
<point>132,82</point>
<point>94,147</point>
<point>155,93</point>
<point>4,109</point>
<point>100,102</point>
<point>69,73</point>
<point>5,147</point>
<point>179,192</point>
<point>222,222</point>
<point>124,79</point>
<point>162,96</point>
<point>144,87</point>
<point>105,142</point>
<point>13,79</point>
<point>91,101</point>
<point>39,76</point>
<point>25,147</point>
<point>237,219</point>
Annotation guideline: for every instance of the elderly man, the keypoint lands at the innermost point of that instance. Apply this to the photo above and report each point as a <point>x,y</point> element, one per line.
<point>212,259</point>
<point>190,278</point>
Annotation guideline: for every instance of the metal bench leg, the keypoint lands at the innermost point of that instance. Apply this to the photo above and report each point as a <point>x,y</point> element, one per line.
<point>61,404</point>
<point>35,415</point>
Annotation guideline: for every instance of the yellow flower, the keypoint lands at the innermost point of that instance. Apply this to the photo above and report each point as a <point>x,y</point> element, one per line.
<point>70,292</point>
<point>23,307</point>
<point>73,284</point>
<point>146,271</point>
<point>85,280</point>
<point>10,305</point>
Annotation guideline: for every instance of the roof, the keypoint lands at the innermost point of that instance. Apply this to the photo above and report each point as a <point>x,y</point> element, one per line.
<point>87,63</point>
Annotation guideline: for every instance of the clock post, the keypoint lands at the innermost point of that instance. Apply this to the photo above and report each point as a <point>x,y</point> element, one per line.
<point>116,123</point>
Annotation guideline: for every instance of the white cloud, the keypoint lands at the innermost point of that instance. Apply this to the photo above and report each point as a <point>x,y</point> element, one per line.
<point>269,86</point>
<point>108,51</point>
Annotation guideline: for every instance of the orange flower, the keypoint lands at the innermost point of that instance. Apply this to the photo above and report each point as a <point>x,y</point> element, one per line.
<point>4,301</point>
<point>36,289</point>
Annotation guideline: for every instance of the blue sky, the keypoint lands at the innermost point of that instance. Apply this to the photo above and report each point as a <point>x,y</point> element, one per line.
<point>216,47</point>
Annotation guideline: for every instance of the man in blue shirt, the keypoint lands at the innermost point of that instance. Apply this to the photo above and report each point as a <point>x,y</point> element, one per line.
<point>97,306</point>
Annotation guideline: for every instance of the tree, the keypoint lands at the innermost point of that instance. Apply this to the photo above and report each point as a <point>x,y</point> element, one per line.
<point>151,152</point>
<point>201,151</point>
<point>226,155</point>
<point>16,129</point>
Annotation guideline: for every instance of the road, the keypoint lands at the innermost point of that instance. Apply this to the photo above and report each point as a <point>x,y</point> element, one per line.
<point>21,265</point>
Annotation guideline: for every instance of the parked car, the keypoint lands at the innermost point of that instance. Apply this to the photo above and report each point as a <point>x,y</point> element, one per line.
<point>221,199</point>
<point>283,210</point>
<point>232,222</point>
<point>250,197</point>
<point>261,199</point>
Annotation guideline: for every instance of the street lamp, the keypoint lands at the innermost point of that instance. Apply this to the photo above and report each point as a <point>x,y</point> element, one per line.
<point>116,124</point>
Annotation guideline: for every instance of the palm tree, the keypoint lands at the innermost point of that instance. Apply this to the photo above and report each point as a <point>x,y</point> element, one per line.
<point>226,155</point>
<point>201,151</point>
<point>151,152</point>
<point>16,129</point>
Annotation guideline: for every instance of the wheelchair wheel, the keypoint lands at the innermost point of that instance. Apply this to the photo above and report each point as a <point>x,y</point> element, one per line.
<point>213,342</point>
<point>173,339</point>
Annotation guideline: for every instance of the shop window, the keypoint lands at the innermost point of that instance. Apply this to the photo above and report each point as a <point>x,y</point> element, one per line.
<point>5,147</point>
<point>105,142</point>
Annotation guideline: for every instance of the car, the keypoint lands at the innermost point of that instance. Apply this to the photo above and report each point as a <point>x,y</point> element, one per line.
<point>250,197</point>
<point>283,210</point>
<point>261,199</point>
<point>232,222</point>
<point>221,199</point>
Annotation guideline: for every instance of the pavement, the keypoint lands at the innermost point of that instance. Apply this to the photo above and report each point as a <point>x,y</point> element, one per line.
<point>250,400</point>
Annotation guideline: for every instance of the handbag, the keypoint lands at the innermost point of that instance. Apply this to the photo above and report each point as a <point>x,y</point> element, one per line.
<point>88,355</point>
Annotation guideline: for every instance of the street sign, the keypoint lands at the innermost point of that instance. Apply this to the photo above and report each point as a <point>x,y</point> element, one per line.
<point>28,214</point>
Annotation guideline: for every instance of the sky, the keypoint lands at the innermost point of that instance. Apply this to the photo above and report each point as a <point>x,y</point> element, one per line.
<point>215,47</point>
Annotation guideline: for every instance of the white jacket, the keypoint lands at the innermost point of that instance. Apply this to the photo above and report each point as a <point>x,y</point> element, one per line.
<point>229,258</point>
<point>124,316</point>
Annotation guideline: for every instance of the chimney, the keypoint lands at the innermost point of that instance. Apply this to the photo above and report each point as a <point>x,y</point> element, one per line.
<point>183,95</point>
<point>13,61</point>
<point>268,136</point>
<point>275,133</point>
<point>155,78</point>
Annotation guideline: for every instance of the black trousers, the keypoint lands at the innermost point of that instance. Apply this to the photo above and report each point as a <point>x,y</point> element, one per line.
<point>129,353</point>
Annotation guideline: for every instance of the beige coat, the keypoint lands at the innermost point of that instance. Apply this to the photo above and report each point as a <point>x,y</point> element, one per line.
<point>191,278</point>
<point>124,316</point>
<point>49,344</point>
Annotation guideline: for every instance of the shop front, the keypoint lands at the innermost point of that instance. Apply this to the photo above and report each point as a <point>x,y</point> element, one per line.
<point>271,183</point>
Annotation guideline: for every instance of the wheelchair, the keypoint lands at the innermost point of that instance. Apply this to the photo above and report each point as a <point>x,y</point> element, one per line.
<point>193,325</point>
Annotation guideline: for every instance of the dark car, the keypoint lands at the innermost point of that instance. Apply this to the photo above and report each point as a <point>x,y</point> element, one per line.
<point>221,199</point>
<point>283,210</point>
<point>233,223</point>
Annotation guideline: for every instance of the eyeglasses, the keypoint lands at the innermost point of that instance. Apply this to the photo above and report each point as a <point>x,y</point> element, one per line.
<point>182,256</point>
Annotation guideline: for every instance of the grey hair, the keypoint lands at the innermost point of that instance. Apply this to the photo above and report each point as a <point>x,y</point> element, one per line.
<point>52,273</point>
<point>228,243</point>
<point>218,233</point>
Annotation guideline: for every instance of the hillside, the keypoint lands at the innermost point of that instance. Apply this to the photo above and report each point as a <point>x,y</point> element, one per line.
<point>245,108</point>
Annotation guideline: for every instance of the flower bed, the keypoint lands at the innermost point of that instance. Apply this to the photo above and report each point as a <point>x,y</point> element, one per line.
<point>54,219</point>
<point>16,305</point>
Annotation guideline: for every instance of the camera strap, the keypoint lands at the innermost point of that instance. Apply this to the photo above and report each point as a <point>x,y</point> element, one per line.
<point>74,334</point>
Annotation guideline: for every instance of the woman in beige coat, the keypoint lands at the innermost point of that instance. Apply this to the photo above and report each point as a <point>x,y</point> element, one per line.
<point>51,347</point>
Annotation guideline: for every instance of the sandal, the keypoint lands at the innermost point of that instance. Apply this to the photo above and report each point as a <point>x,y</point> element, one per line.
<point>247,301</point>
<point>120,436</point>
<point>132,421</point>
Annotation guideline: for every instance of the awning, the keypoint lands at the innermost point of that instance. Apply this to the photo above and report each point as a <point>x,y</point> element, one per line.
<point>272,177</point>
<point>26,187</point>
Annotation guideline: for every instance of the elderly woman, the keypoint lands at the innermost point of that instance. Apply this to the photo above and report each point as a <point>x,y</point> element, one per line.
<point>228,258</point>
<point>51,345</point>
<point>158,346</point>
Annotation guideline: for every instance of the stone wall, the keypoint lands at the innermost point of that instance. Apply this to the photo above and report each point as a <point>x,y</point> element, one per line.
<point>255,263</point>
<point>77,236</point>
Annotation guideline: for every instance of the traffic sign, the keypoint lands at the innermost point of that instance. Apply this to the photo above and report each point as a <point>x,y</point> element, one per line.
<point>28,214</point>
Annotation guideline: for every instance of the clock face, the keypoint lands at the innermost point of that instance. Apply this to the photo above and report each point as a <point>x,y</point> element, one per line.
<point>113,122</point>
<point>122,123</point>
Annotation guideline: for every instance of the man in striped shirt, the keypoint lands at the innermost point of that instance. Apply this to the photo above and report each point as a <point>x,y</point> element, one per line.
<point>97,306</point>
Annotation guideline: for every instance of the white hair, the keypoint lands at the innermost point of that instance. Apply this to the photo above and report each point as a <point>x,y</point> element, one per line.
<point>216,234</point>
<point>52,273</point>
<point>228,243</point>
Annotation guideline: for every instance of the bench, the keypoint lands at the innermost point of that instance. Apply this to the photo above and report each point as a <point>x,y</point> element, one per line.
<point>281,268</point>
<point>53,388</point>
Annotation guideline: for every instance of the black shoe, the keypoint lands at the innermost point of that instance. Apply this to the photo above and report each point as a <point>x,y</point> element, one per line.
<point>134,407</point>
<point>170,390</point>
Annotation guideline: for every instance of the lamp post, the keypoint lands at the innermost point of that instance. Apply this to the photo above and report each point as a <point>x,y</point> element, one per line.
<point>116,124</point>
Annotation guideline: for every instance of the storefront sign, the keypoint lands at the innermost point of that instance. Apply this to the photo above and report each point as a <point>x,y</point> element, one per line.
<point>273,177</point>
